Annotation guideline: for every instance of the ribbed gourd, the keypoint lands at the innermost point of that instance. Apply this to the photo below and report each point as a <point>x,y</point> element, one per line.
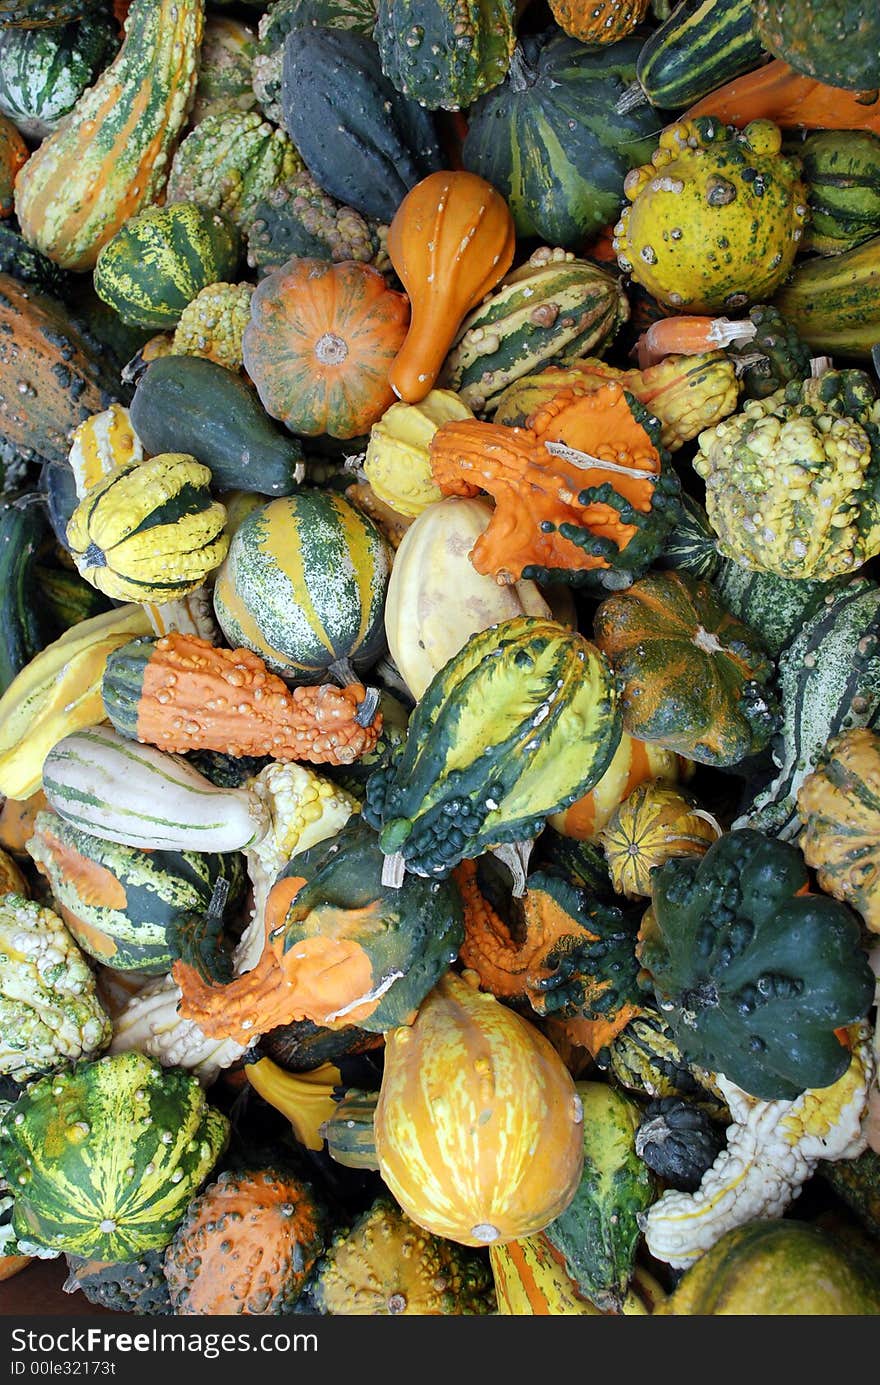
<point>520,723</point>
<point>109,157</point>
<point>150,531</point>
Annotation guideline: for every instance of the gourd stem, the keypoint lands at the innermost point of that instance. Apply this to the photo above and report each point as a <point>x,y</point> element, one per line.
<point>632,98</point>
<point>366,709</point>
<point>819,365</point>
<point>520,75</point>
<point>393,871</point>
<point>342,671</point>
<point>515,856</point>
<point>586,462</point>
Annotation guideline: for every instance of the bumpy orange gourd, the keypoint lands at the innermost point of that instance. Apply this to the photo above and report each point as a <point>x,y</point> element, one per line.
<point>598,21</point>
<point>451,240</point>
<point>478,1125</point>
<point>181,693</point>
<point>536,492</point>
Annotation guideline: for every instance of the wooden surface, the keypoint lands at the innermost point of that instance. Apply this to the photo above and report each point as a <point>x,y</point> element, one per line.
<point>37,1289</point>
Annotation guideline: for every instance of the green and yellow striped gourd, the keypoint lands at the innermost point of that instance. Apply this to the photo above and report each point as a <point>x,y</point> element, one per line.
<point>108,158</point>
<point>304,584</point>
<point>150,531</point>
<point>160,260</point>
<point>520,723</point>
<point>105,1157</point>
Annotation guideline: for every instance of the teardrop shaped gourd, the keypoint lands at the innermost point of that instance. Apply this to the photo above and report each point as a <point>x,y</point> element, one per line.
<point>479,1128</point>
<point>437,599</point>
<point>451,240</point>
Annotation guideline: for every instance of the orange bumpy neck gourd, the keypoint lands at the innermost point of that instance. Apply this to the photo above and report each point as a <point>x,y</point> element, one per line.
<point>451,240</point>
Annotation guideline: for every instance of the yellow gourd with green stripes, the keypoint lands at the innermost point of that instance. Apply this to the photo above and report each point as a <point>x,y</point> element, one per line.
<point>304,584</point>
<point>150,531</point>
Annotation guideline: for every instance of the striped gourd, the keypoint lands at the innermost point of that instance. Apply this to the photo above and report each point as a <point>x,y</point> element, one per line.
<point>774,606</point>
<point>703,44</point>
<point>553,308</point>
<point>833,303</point>
<point>139,796</point>
<point>105,1157</point>
<point>149,531</point>
<point>100,444</point>
<point>349,1131</point>
<point>303,584</point>
<point>160,260</point>
<point>531,1280</point>
<point>829,679</point>
<point>44,72</point>
<point>108,158</point>
<point>123,904</point>
<point>520,723</point>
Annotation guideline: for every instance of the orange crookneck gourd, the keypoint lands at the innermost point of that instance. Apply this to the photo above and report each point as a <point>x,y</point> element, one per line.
<point>580,489</point>
<point>451,240</point>
<point>181,693</point>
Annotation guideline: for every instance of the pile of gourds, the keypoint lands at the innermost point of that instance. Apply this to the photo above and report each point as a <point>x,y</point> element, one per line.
<point>439,665</point>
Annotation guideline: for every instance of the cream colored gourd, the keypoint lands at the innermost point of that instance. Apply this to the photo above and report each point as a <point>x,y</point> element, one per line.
<point>437,599</point>
<point>398,463</point>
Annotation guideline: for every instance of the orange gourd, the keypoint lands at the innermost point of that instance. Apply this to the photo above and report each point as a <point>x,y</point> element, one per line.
<point>537,492</point>
<point>13,156</point>
<point>776,92</point>
<point>689,336</point>
<point>478,1125</point>
<point>451,240</point>
<point>320,343</point>
<point>598,21</point>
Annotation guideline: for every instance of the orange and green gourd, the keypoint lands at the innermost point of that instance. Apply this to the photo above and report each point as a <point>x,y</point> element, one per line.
<point>581,491</point>
<point>320,344</point>
<point>560,951</point>
<point>715,220</point>
<point>385,1265</point>
<point>839,804</point>
<point>835,41</point>
<point>125,906</point>
<point>70,1141</point>
<point>246,1246</point>
<point>109,157</point>
<point>181,693</point>
<point>694,678</point>
<point>520,723</point>
<point>341,948</point>
<point>13,157</point>
<point>476,1181</point>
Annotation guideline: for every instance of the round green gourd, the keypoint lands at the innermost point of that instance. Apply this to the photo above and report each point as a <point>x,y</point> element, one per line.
<point>105,1157</point>
<point>303,584</point>
<point>445,54</point>
<point>157,263</point>
<point>43,72</point>
<point>549,140</point>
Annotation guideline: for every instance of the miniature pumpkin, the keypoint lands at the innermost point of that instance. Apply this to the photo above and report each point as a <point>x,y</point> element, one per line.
<point>478,1126</point>
<point>599,21</point>
<point>149,531</point>
<point>246,1245</point>
<point>320,344</point>
<point>654,824</point>
<point>694,678</point>
<point>840,807</point>
<point>452,238</point>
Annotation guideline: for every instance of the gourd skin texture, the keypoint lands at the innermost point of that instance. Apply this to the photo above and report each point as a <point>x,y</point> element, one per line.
<point>228,162</point>
<point>478,1126</point>
<point>386,1265</point>
<point>713,224</point>
<point>839,804</point>
<point>504,773</point>
<point>246,1246</point>
<point>445,55</point>
<point>82,1131</point>
<point>754,972</point>
<point>43,74</point>
<point>836,41</point>
<point>832,300</point>
<point>108,159</point>
<point>772,1148</point>
<point>791,481</point>
<point>654,824</point>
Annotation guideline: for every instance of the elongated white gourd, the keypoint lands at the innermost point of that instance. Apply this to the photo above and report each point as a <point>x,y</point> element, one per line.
<point>141,796</point>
